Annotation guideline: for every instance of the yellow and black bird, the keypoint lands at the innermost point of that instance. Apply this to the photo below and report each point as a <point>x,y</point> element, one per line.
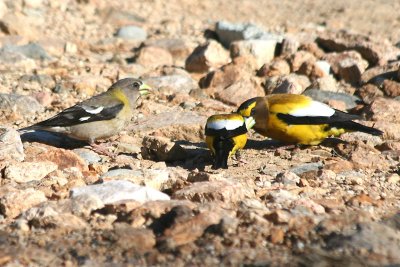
<point>225,135</point>
<point>99,117</point>
<point>299,119</point>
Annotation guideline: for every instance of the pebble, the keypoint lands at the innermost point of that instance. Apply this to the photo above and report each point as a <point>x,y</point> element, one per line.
<point>24,172</point>
<point>131,32</point>
<point>88,155</point>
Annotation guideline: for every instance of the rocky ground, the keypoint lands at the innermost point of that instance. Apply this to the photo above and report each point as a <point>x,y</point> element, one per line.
<point>158,202</point>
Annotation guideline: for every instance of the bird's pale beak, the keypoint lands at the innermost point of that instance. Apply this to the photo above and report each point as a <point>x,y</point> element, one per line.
<point>250,122</point>
<point>144,89</point>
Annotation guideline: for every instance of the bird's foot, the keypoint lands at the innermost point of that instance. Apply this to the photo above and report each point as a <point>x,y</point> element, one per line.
<point>103,150</point>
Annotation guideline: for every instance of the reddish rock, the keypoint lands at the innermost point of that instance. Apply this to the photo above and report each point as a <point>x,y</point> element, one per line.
<point>223,77</point>
<point>137,240</point>
<point>187,231</point>
<point>312,48</point>
<point>340,61</point>
<point>290,84</point>
<point>238,92</point>
<point>63,158</point>
<point>277,67</point>
<point>383,109</point>
<point>207,56</point>
<point>225,191</point>
<point>13,203</point>
<point>391,88</point>
<point>277,235</point>
<point>350,70</point>
<point>300,58</point>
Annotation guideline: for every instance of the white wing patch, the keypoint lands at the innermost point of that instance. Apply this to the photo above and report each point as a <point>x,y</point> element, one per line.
<point>227,124</point>
<point>93,110</point>
<point>84,118</point>
<point>315,109</point>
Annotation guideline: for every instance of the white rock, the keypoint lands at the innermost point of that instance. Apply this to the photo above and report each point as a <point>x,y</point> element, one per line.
<point>11,147</point>
<point>120,191</point>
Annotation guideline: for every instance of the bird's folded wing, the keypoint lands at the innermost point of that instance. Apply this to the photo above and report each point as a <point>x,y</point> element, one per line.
<point>338,116</point>
<point>87,111</point>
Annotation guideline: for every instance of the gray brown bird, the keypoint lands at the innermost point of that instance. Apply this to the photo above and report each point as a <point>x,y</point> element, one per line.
<point>99,117</point>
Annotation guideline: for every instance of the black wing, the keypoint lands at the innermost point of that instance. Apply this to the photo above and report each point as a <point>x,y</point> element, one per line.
<point>225,134</point>
<point>338,116</point>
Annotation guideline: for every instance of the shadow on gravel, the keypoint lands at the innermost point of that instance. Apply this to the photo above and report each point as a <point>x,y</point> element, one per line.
<point>52,139</point>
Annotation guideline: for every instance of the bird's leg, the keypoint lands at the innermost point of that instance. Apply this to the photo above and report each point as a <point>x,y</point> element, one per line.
<point>102,149</point>
<point>239,158</point>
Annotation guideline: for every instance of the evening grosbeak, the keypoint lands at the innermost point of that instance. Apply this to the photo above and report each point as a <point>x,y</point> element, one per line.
<point>299,119</point>
<point>99,117</point>
<point>226,134</point>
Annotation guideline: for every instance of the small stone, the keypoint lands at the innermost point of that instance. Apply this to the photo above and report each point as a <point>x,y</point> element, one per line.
<point>277,236</point>
<point>326,83</point>
<point>189,229</point>
<point>351,70</point>
<point>138,241</point>
<point>225,191</point>
<point>391,88</point>
<point>291,84</point>
<point>281,196</point>
<point>279,217</point>
<point>300,58</point>
<point>235,93</point>
<point>131,32</point>
<point>278,67</point>
<point>263,51</point>
<point>306,167</point>
<point>196,176</point>
<point>11,147</point>
<point>119,191</point>
<point>289,46</point>
<point>393,178</point>
<point>24,172</point>
<point>287,178</point>
<point>153,56</point>
<point>86,85</point>
<point>172,83</point>
<point>162,149</point>
<point>308,203</point>
<point>33,3</point>
<point>70,48</point>
<point>88,155</point>
<point>205,57</point>
<point>176,125</point>
<point>383,109</point>
<point>229,32</point>
<point>377,75</point>
<point>13,203</point>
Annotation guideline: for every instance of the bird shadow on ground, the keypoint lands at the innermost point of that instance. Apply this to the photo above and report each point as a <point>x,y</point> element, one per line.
<point>197,156</point>
<point>52,139</point>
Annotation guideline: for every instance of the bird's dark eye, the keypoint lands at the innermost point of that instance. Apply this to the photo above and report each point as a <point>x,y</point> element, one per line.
<point>252,112</point>
<point>136,85</point>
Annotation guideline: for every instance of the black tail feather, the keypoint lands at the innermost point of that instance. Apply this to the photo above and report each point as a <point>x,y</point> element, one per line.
<point>354,126</point>
<point>222,148</point>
